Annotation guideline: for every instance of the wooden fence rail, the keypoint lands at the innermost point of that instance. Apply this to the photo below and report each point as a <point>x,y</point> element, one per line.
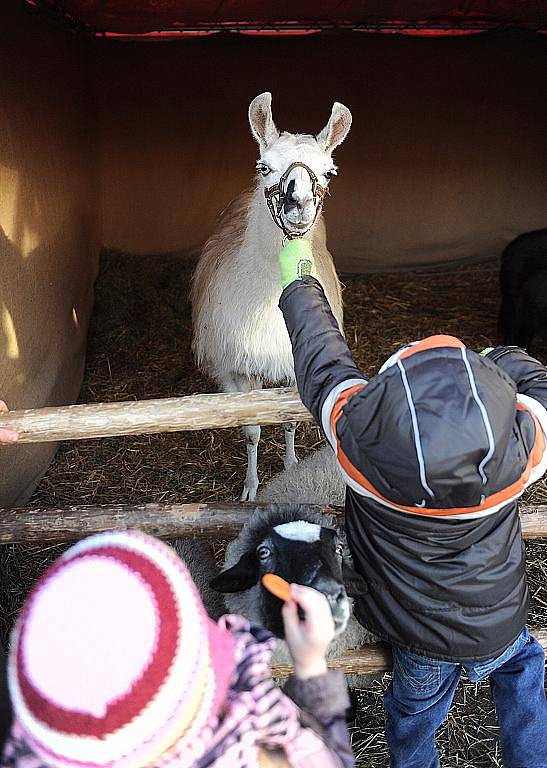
<point>167,521</point>
<point>172,414</point>
<point>373,659</point>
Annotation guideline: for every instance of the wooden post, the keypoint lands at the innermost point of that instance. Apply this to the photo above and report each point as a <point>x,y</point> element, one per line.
<point>173,414</point>
<point>218,520</point>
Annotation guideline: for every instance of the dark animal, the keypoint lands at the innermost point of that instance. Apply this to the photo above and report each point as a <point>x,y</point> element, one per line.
<point>523,282</point>
<point>296,544</point>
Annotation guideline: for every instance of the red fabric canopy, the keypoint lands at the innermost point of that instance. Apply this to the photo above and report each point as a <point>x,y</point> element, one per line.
<point>129,17</point>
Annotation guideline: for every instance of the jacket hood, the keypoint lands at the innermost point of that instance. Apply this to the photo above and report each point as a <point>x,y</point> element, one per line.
<point>442,428</point>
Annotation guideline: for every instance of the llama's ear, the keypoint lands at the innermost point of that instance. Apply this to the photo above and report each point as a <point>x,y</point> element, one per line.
<point>336,129</point>
<point>241,576</point>
<point>261,120</point>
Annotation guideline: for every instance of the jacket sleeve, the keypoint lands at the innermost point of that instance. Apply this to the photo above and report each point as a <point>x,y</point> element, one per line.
<point>323,364</point>
<point>529,375</point>
<point>326,699</point>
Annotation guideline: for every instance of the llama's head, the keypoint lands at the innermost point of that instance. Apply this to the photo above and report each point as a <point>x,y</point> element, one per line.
<point>285,158</point>
<point>297,545</point>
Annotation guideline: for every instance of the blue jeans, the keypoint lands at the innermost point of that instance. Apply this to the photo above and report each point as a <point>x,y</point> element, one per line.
<point>422,690</point>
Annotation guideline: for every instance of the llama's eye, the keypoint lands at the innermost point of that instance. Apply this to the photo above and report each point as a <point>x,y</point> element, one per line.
<point>263,552</point>
<point>263,168</point>
<point>330,173</point>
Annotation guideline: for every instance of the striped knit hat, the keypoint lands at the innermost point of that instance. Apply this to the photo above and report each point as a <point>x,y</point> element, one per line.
<point>113,660</point>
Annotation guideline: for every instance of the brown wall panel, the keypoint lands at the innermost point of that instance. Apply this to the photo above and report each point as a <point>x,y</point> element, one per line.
<point>446,160</point>
<point>48,225</point>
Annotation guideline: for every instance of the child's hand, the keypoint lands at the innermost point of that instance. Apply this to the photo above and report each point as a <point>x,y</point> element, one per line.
<point>295,261</point>
<point>7,436</point>
<point>309,639</point>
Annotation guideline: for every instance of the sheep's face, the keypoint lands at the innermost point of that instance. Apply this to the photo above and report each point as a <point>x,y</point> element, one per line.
<point>300,552</point>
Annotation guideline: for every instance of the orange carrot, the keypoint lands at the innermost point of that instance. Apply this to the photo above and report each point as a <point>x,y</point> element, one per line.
<point>277,586</point>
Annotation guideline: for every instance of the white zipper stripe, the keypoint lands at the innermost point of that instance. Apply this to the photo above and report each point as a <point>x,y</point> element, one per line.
<point>417,439</point>
<point>484,414</point>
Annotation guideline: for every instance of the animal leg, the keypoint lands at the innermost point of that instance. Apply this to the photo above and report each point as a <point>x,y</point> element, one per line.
<point>290,456</point>
<point>252,435</point>
<point>236,382</point>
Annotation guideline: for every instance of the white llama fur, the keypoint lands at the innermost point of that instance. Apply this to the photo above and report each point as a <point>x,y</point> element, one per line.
<point>240,338</point>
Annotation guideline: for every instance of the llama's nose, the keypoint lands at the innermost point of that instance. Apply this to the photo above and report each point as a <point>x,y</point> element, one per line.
<point>296,198</point>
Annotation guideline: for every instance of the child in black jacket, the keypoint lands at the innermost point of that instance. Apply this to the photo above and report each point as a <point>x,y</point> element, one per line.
<point>435,450</point>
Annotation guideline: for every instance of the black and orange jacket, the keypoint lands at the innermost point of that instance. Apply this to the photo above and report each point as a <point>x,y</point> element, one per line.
<point>435,450</point>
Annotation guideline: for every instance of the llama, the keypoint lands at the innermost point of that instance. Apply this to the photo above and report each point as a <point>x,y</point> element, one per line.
<point>240,338</point>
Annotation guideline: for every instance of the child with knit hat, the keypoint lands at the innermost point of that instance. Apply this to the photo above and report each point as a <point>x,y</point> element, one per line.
<point>435,450</point>
<point>114,662</point>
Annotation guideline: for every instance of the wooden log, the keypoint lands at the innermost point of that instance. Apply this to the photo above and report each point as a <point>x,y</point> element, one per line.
<point>368,660</point>
<point>374,658</point>
<point>173,414</point>
<point>168,521</point>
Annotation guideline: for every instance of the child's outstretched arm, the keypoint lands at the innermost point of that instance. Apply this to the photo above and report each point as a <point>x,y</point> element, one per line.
<point>323,363</point>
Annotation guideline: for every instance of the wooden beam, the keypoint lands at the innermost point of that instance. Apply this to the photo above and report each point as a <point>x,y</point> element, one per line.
<point>369,660</point>
<point>173,414</point>
<point>168,521</point>
<point>374,659</point>
<point>218,520</point>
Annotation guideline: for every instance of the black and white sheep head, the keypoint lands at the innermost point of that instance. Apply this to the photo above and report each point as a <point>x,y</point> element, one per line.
<point>302,548</point>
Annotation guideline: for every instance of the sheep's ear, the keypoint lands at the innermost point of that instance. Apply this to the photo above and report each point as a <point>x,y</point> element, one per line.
<point>336,129</point>
<point>261,120</point>
<point>243,575</point>
<point>354,583</point>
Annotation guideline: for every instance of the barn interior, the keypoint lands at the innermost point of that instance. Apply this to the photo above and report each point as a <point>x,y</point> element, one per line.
<point>124,133</point>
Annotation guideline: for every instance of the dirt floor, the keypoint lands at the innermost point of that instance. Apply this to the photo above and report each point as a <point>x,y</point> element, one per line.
<point>139,347</point>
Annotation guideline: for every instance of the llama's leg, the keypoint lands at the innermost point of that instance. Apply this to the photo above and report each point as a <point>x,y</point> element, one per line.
<point>252,436</point>
<point>290,456</point>
<point>236,382</point>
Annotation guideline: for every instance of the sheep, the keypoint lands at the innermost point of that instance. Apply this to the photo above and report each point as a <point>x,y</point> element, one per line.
<point>314,480</point>
<point>198,559</point>
<point>302,546</point>
<point>523,282</point>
